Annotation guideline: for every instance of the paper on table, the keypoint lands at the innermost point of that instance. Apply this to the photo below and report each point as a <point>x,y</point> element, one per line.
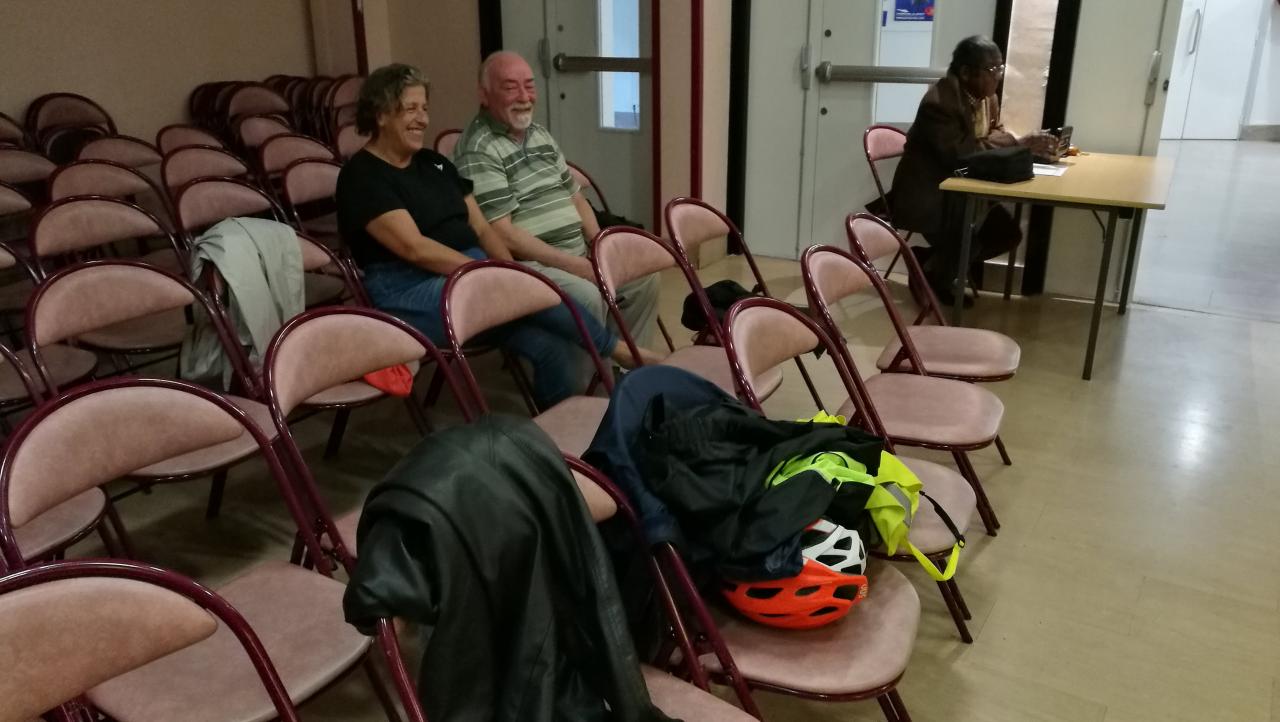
<point>1046,169</point>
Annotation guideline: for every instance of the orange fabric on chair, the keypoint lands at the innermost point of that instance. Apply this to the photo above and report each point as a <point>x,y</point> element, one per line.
<point>394,380</point>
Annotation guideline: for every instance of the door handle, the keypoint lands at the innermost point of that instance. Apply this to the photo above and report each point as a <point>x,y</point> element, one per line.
<point>830,73</point>
<point>1194,45</point>
<point>599,64</point>
<point>1153,77</point>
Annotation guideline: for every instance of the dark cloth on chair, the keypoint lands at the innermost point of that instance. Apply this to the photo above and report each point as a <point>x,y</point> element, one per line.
<point>481,536</point>
<point>695,461</point>
<point>945,130</point>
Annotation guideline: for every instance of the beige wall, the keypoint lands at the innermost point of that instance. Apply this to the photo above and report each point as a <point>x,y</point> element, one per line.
<point>443,39</point>
<point>674,116</point>
<point>333,37</point>
<point>140,58</point>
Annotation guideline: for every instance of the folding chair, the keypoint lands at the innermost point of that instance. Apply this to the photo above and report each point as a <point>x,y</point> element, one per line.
<point>691,223</point>
<point>13,134</point>
<point>113,180</point>
<point>312,185</point>
<point>172,137</point>
<point>880,143</point>
<point>187,163</point>
<point>251,131</point>
<point>123,149</point>
<point>26,171</point>
<point>255,99</point>
<point>60,123</point>
<point>349,140</point>
<point>447,140</point>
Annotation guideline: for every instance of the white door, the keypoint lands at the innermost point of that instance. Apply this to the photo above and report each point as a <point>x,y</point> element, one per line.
<point>601,118</point>
<point>1210,80</point>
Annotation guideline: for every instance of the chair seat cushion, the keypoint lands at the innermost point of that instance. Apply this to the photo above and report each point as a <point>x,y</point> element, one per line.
<point>59,525</point>
<point>712,364</point>
<point>211,458</point>
<point>681,700</point>
<point>866,650</point>
<point>572,423</point>
<point>66,366</point>
<point>928,532</point>
<point>162,330</point>
<point>298,616</point>
<point>320,289</point>
<point>352,393</point>
<point>923,410</point>
<point>958,353</point>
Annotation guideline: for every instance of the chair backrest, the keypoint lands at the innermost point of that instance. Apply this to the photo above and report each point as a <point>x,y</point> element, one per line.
<point>26,389</point>
<point>622,255</point>
<point>205,201</point>
<point>882,142</point>
<point>64,110</point>
<point>484,294</point>
<point>344,91</point>
<point>67,633</point>
<point>691,223</point>
<point>19,167</point>
<point>12,201</point>
<point>254,130</point>
<point>344,114</point>
<point>875,237</point>
<point>187,163</point>
<point>12,132</point>
<point>305,181</point>
<point>447,140</point>
<point>98,178</point>
<point>587,183</point>
<point>123,149</point>
<point>276,153</point>
<point>81,222</point>
<point>255,99</point>
<point>830,276</point>
<point>350,141</point>
<point>171,137</point>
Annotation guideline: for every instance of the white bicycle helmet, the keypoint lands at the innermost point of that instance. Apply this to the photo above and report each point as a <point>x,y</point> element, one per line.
<point>834,546</point>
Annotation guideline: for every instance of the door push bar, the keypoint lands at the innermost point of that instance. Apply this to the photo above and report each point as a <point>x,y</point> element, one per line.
<point>596,64</point>
<point>828,73</point>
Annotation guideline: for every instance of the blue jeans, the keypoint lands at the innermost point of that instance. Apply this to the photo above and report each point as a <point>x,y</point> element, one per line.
<point>545,339</point>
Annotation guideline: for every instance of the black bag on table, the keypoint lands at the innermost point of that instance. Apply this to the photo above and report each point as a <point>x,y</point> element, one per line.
<point>1001,165</point>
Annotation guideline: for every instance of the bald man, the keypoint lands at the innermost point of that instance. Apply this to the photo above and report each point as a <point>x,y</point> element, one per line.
<point>525,190</point>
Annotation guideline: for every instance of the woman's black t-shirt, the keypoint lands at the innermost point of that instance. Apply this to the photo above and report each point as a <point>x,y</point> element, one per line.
<point>430,189</point>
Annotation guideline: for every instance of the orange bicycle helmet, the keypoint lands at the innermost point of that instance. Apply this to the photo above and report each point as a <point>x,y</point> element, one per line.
<point>826,589</point>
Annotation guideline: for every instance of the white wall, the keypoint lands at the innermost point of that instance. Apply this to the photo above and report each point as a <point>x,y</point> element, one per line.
<point>141,58</point>
<point>1266,89</point>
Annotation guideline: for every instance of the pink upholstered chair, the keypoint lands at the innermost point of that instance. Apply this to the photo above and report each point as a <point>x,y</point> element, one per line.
<point>13,134</point>
<point>256,99</point>
<point>74,631</point>
<point>61,122</point>
<point>25,170</point>
<point>766,333</point>
<point>308,190</point>
<point>113,180</point>
<point>349,140</point>
<point>621,255</point>
<point>172,137</point>
<point>187,163</point>
<point>691,223</point>
<point>251,131</point>
<point>916,410</point>
<point>447,140</point>
<point>123,149</point>
<point>484,294</point>
<point>277,152</point>
<point>882,143</point>
<point>17,388</point>
<point>587,183</point>
<point>339,103</point>
<point>124,424</point>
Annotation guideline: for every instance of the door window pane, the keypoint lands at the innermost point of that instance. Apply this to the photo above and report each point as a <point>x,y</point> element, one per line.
<point>619,38</point>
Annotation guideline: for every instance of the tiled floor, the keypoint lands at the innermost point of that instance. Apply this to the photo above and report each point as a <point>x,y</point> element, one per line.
<point>1135,576</point>
<point>1216,248</point>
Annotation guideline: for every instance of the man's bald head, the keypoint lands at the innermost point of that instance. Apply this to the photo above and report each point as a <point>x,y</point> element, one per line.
<point>507,90</point>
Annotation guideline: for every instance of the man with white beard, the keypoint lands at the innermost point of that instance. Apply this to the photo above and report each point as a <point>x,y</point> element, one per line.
<point>526,192</point>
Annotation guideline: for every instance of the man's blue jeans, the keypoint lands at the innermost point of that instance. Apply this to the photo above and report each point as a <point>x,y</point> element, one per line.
<point>545,339</point>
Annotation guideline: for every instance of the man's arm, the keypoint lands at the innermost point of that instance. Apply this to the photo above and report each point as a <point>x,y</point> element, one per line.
<point>528,247</point>
<point>397,231</point>
<point>490,240</point>
<point>590,226</point>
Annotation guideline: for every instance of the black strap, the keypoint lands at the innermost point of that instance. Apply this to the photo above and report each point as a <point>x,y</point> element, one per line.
<point>946,518</point>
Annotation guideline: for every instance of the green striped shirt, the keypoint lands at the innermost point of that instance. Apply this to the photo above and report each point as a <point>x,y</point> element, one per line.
<point>528,181</point>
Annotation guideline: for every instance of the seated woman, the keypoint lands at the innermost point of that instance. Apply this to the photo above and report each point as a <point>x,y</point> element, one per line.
<point>411,220</point>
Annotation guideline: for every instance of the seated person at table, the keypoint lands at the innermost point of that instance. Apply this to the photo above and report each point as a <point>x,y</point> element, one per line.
<point>959,115</point>
<point>411,220</point>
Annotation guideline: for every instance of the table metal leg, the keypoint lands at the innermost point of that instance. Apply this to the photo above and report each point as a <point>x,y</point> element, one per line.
<point>1013,253</point>
<point>962,274</point>
<point>1108,242</point>
<point>1135,232</point>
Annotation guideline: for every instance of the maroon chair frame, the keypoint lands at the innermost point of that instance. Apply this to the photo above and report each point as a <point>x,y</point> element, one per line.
<point>193,591</point>
<point>161,195</point>
<point>875,174</point>
<point>37,258</point>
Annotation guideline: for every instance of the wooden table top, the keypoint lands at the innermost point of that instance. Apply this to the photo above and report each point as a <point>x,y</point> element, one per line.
<point>1092,179</point>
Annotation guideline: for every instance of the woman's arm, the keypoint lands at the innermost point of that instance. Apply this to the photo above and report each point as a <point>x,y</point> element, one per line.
<point>399,234</point>
<point>490,240</point>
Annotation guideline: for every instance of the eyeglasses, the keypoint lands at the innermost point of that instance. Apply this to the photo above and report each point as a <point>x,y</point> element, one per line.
<point>996,69</point>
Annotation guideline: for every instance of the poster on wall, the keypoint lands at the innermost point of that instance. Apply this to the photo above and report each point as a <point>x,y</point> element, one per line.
<point>905,11</point>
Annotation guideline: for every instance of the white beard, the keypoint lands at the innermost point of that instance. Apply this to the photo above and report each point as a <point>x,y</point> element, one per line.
<point>522,121</point>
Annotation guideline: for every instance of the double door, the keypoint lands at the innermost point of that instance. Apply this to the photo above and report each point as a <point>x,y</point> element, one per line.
<point>1209,81</point>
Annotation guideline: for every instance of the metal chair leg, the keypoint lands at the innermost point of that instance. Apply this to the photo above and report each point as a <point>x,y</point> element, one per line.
<point>896,699</point>
<point>896,257</point>
<point>886,706</point>
<point>117,526</point>
<point>957,616</point>
<point>380,690</point>
<point>984,505</point>
<point>216,490</point>
<point>335,434</point>
<point>808,382</point>
<point>955,592</point>
<point>1004,454</point>
<point>666,336</point>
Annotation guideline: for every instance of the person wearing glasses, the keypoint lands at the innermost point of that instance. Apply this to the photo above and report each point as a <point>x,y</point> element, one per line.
<point>959,115</point>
